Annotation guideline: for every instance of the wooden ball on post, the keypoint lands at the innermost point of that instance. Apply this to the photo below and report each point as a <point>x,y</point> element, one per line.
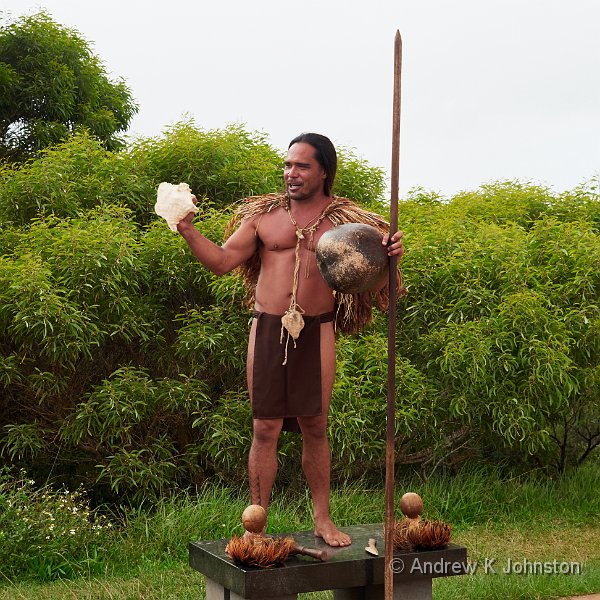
<point>254,518</point>
<point>411,505</point>
<point>256,549</point>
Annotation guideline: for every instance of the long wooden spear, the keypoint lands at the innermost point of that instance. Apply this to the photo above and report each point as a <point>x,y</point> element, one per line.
<point>391,387</point>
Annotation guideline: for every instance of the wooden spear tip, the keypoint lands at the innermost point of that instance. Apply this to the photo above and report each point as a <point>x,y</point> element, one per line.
<point>398,45</point>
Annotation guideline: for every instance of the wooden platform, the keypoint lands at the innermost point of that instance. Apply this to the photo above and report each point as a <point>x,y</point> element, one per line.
<point>351,572</point>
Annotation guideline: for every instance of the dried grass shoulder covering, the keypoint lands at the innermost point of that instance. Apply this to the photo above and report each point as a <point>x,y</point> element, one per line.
<point>353,311</point>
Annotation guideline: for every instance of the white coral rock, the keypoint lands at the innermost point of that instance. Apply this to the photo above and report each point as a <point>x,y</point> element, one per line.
<point>174,202</point>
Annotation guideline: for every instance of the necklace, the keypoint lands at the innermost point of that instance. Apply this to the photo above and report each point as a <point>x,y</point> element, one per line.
<point>301,233</point>
<point>292,321</point>
<point>308,228</point>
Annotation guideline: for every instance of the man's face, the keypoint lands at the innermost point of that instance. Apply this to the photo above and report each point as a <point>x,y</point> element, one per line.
<point>302,174</point>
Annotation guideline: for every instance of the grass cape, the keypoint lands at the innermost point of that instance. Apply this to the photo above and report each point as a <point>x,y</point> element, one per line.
<point>352,311</point>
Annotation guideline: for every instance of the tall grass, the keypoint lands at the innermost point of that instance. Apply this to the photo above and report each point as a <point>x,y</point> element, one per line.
<point>474,497</point>
<point>493,516</point>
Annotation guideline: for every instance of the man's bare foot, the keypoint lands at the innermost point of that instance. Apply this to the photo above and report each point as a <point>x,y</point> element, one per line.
<point>331,534</point>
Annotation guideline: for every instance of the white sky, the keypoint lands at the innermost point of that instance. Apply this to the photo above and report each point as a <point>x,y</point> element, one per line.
<point>491,89</point>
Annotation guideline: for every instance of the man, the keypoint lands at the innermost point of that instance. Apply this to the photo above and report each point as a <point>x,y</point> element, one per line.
<point>291,360</point>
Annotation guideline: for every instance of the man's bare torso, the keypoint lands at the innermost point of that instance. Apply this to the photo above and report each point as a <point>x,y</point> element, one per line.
<point>277,246</point>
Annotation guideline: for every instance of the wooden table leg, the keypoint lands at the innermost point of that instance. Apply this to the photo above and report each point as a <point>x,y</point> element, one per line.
<point>416,589</point>
<point>215,591</point>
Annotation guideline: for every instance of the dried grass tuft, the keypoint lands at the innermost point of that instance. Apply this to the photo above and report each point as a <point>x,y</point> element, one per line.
<point>259,550</point>
<point>417,534</point>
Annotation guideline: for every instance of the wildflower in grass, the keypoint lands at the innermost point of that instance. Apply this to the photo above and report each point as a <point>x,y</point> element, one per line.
<point>67,537</point>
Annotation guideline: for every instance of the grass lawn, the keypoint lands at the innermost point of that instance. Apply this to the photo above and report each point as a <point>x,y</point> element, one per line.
<point>498,520</point>
<point>569,544</point>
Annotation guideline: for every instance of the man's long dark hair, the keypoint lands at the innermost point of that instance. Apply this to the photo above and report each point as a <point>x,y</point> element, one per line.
<point>324,153</point>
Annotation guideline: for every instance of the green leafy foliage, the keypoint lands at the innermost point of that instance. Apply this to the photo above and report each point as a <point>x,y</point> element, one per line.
<point>53,86</point>
<point>97,294</point>
<point>73,177</point>
<point>501,317</point>
<point>221,166</point>
<point>360,181</point>
<point>38,318</point>
<point>226,434</point>
<point>122,360</point>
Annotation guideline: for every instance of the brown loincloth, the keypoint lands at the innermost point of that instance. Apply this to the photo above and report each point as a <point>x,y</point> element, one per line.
<point>292,390</point>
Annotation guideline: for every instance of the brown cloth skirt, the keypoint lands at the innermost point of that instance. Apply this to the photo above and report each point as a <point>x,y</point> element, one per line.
<point>292,390</point>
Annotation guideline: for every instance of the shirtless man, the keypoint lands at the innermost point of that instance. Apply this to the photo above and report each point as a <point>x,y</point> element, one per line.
<point>308,175</point>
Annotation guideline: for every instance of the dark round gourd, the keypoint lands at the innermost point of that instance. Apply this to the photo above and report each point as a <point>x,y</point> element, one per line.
<point>351,257</point>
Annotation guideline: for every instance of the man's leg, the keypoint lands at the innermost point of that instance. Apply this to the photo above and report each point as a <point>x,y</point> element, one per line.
<point>262,459</point>
<point>316,455</point>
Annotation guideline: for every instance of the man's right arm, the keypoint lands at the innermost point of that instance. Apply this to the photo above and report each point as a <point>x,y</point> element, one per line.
<point>220,259</point>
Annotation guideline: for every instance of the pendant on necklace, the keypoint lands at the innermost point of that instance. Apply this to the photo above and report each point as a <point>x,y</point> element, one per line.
<point>299,234</point>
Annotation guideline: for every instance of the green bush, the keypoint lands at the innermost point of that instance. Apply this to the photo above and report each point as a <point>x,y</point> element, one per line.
<point>221,166</point>
<point>71,177</point>
<point>501,318</point>
<point>122,359</point>
<point>360,181</point>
